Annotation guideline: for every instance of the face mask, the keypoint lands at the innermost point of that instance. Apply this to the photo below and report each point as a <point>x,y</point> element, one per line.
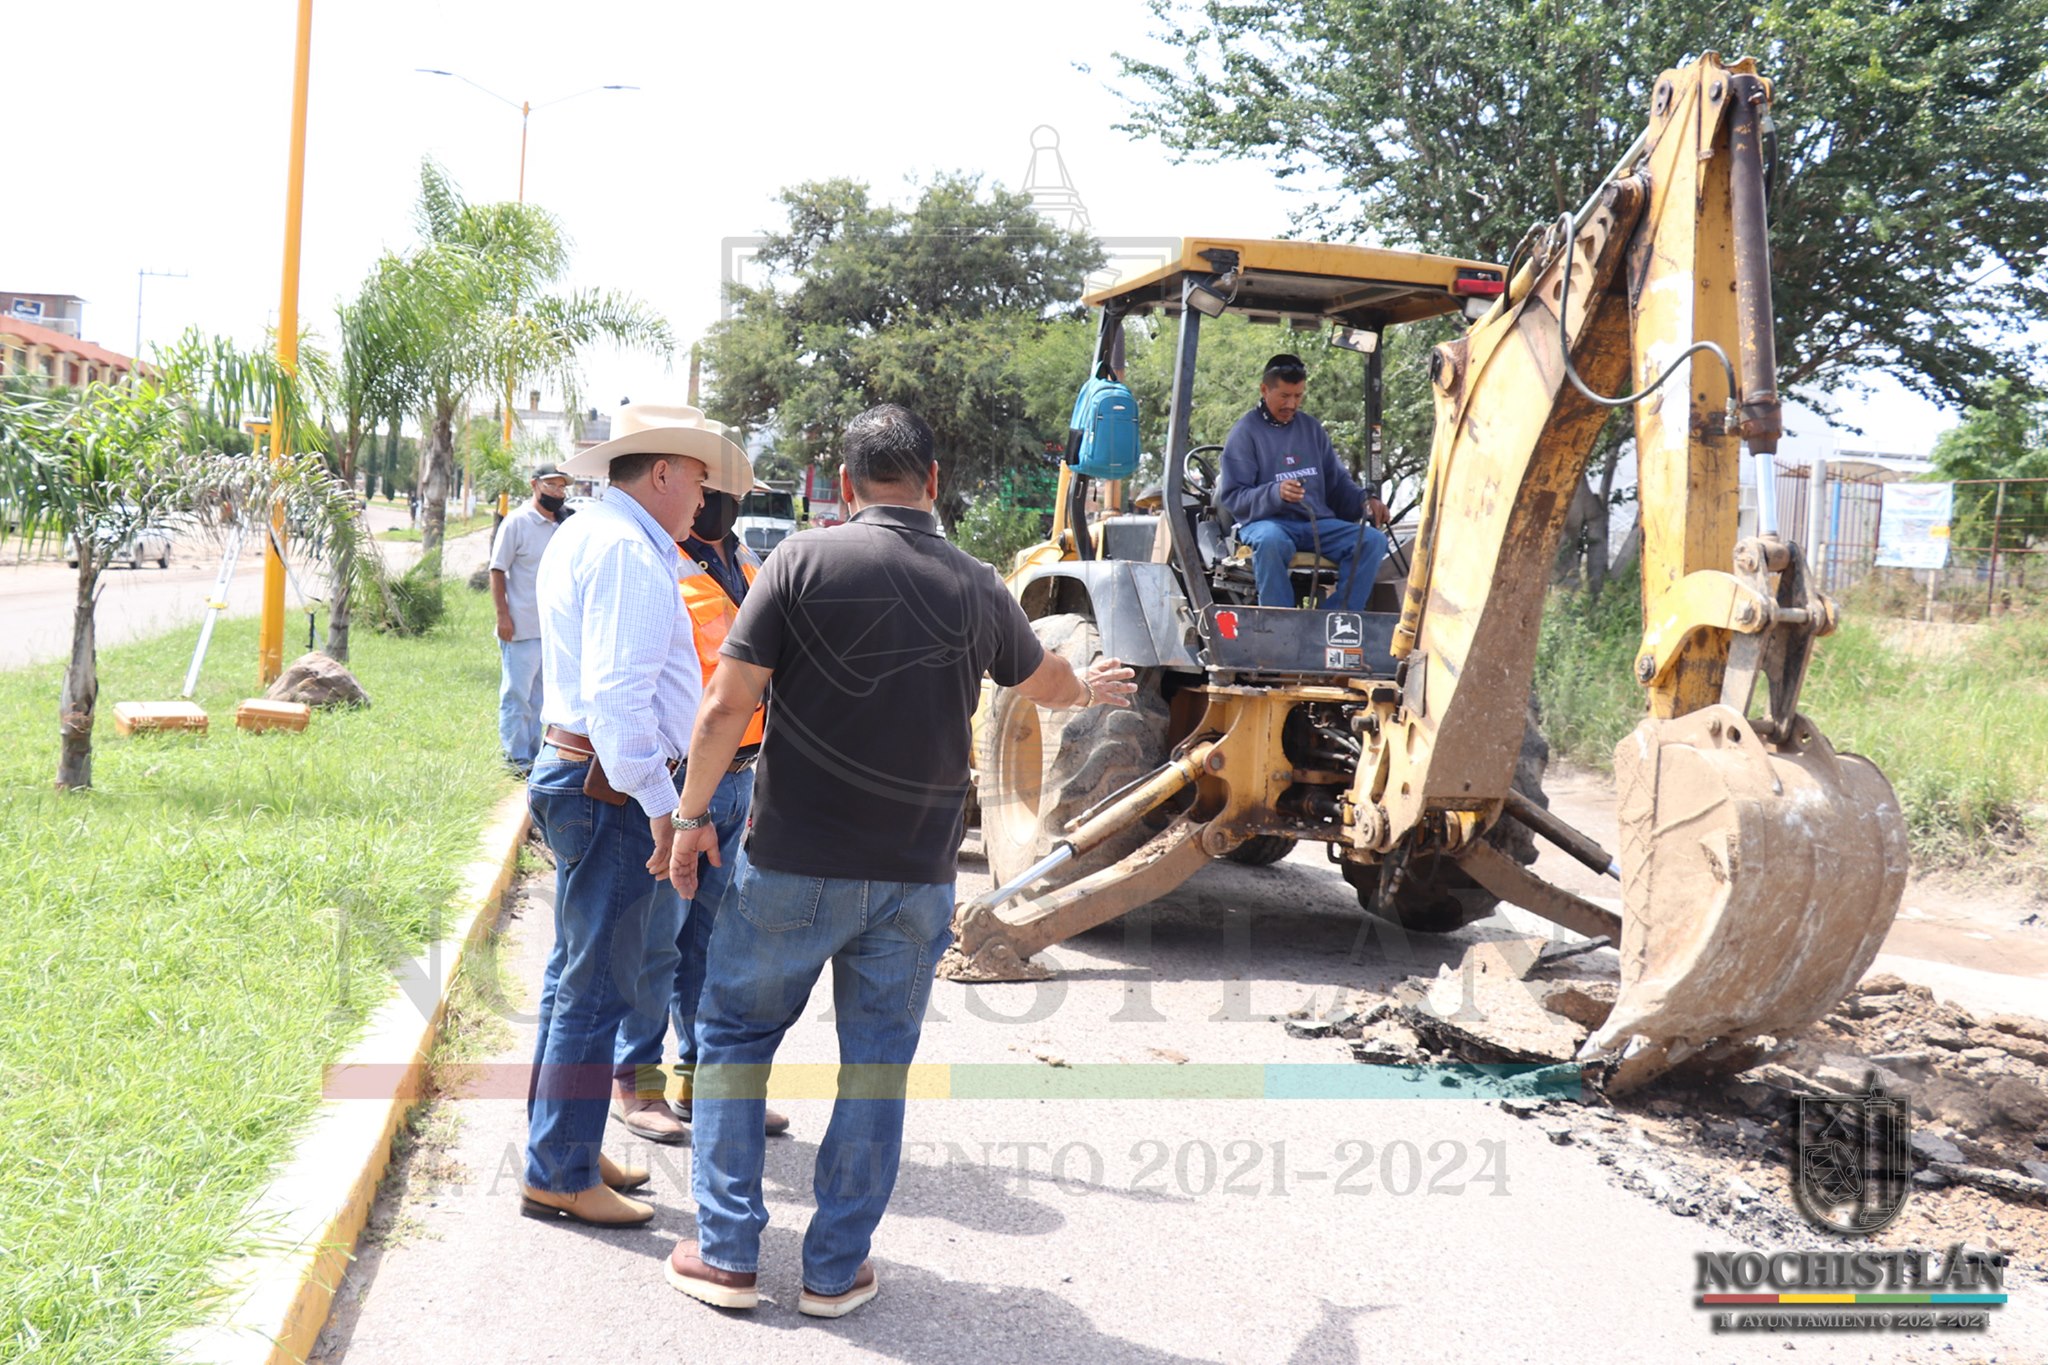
<point>715,517</point>
<point>552,506</point>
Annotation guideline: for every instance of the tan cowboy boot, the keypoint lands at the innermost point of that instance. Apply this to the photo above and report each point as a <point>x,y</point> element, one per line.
<point>621,1176</point>
<point>647,1116</point>
<point>600,1206</point>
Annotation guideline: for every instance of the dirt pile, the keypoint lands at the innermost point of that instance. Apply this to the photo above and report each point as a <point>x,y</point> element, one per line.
<point>1715,1137</point>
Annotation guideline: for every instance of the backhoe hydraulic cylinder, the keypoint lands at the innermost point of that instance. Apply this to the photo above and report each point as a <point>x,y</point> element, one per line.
<point>1561,834</point>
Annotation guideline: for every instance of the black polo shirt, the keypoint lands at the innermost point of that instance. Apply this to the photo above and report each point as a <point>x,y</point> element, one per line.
<point>878,633</point>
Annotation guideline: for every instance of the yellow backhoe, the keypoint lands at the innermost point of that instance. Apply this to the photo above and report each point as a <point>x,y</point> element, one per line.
<point>1759,868</point>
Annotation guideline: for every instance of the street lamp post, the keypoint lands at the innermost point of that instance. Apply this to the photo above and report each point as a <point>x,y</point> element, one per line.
<point>270,633</point>
<point>525,109</point>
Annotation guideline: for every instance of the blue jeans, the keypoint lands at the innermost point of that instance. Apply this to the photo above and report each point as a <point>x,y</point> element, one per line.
<point>611,916</point>
<point>640,1035</point>
<point>1276,542</point>
<point>775,933</point>
<point>519,700</point>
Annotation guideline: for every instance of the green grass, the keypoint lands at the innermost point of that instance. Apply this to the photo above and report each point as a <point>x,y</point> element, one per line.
<point>457,526</point>
<point>1964,740</point>
<point>183,947</point>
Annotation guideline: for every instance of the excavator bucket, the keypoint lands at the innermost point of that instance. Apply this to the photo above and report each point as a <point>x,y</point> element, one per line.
<point>1758,880</point>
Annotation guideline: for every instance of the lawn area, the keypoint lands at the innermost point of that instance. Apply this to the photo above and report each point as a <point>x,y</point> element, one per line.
<point>1964,740</point>
<point>183,948</point>
<point>457,526</point>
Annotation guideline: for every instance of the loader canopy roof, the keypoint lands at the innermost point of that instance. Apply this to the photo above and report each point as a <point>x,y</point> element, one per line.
<point>1309,283</point>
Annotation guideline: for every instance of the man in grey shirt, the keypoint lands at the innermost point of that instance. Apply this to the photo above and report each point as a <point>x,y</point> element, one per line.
<point>877,634</point>
<point>515,566</point>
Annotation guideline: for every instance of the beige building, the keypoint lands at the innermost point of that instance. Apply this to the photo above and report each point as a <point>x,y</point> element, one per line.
<point>55,357</point>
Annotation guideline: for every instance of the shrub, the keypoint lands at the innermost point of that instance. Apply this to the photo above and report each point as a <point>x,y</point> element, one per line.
<point>409,604</point>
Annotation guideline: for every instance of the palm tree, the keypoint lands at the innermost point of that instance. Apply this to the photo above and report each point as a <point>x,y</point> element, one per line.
<point>378,378</point>
<point>475,287</point>
<point>91,467</point>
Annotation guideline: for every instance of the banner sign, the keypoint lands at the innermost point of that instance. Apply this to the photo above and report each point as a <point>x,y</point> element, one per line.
<point>1913,525</point>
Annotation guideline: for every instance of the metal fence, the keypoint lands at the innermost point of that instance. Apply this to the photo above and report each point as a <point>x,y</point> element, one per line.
<point>1998,540</point>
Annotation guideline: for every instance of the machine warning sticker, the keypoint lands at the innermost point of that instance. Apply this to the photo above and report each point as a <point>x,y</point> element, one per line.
<point>1345,629</point>
<point>1335,657</point>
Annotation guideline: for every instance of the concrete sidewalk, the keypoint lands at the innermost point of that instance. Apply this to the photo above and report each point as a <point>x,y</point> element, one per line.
<point>1032,1228</point>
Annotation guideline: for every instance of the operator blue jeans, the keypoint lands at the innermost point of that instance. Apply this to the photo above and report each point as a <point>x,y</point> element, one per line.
<point>640,1034</point>
<point>519,700</point>
<point>774,935</point>
<point>611,917</point>
<point>1276,542</point>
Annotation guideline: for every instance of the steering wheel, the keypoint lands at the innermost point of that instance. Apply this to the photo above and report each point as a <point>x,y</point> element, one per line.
<point>1205,492</point>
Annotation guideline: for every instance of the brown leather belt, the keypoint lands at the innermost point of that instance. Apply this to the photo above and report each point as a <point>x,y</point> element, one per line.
<point>577,748</point>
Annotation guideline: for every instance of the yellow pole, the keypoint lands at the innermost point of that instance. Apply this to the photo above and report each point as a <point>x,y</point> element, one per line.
<point>525,109</point>
<point>270,636</point>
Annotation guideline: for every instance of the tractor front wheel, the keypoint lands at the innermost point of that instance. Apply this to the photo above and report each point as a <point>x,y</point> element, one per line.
<point>1040,768</point>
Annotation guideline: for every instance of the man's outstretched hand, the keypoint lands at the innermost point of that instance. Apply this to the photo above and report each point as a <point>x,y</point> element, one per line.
<point>1109,680</point>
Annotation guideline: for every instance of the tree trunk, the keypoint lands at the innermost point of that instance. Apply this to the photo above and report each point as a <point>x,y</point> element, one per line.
<point>1596,527</point>
<point>337,614</point>
<point>1582,513</point>
<point>81,694</point>
<point>434,479</point>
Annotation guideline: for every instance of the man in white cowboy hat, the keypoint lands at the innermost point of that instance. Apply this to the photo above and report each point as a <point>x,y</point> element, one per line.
<point>621,687</point>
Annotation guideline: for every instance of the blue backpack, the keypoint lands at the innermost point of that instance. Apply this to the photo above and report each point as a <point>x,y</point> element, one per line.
<point>1102,436</point>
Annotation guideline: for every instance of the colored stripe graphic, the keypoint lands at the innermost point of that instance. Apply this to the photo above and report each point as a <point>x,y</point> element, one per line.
<point>1019,1081</point>
<point>1853,1300</point>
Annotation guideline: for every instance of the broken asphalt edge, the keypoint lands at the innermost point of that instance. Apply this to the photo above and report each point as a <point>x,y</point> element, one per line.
<point>276,1301</point>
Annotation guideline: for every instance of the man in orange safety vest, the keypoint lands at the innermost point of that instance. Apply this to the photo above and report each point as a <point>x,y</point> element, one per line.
<point>716,572</point>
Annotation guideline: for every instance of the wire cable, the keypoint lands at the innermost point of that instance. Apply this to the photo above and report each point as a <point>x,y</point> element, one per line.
<point>1564,345</point>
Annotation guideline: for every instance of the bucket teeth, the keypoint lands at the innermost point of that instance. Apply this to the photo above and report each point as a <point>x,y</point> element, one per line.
<point>1758,882</point>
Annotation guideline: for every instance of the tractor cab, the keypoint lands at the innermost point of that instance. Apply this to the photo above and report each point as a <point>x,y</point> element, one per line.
<point>1302,286</point>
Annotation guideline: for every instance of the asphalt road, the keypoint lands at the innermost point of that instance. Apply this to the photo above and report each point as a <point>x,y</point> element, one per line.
<point>1420,1223</point>
<point>39,596</point>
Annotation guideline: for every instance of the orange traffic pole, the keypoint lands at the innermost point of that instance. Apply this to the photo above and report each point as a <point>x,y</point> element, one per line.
<point>270,636</point>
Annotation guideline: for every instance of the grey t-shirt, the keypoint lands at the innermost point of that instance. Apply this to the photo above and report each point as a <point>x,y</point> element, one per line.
<point>878,633</point>
<point>522,536</point>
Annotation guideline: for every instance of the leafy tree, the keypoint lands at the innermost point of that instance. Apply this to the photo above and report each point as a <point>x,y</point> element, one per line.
<point>91,467</point>
<point>472,293</point>
<point>868,303</point>
<point>1907,219</point>
<point>2006,438</point>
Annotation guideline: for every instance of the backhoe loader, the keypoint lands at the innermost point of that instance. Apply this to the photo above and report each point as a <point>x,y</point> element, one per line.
<point>1759,868</point>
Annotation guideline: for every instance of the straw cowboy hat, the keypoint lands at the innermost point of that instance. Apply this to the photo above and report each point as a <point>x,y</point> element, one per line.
<point>669,429</point>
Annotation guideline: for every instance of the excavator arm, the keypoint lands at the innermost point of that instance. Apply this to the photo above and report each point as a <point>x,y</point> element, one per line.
<point>1760,869</point>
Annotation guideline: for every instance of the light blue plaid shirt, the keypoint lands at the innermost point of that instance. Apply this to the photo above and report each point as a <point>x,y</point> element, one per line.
<point>618,655</point>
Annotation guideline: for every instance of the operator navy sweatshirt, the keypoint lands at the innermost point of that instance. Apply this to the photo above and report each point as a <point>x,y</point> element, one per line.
<point>1261,454</point>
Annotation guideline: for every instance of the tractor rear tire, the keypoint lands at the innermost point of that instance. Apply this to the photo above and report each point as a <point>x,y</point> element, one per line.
<point>1041,768</point>
<point>1435,895</point>
<point>1262,850</point>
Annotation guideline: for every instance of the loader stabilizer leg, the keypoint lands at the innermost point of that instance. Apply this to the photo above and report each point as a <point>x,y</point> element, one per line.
<point>989,947</point>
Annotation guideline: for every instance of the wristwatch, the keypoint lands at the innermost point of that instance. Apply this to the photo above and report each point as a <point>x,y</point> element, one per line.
<point>685,822</point>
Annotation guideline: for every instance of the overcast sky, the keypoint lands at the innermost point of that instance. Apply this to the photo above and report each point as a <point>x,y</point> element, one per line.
<point>159,139</point>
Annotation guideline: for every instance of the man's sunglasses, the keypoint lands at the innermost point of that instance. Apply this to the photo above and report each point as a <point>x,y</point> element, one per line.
<point>1288,374</point>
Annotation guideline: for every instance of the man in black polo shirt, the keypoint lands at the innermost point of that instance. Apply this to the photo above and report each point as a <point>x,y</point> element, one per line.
<point>876,634</point>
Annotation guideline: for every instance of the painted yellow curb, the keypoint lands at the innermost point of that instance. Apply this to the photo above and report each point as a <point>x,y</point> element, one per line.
<point>276,1301</point>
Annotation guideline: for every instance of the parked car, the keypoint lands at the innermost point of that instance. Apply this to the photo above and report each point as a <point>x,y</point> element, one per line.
<point>151,540</point>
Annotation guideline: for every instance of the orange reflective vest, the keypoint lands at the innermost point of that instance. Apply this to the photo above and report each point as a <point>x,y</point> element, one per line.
<point>711,616</point>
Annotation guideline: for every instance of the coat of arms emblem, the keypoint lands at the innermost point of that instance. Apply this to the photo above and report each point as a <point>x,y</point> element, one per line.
<point>1854,1159</point>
